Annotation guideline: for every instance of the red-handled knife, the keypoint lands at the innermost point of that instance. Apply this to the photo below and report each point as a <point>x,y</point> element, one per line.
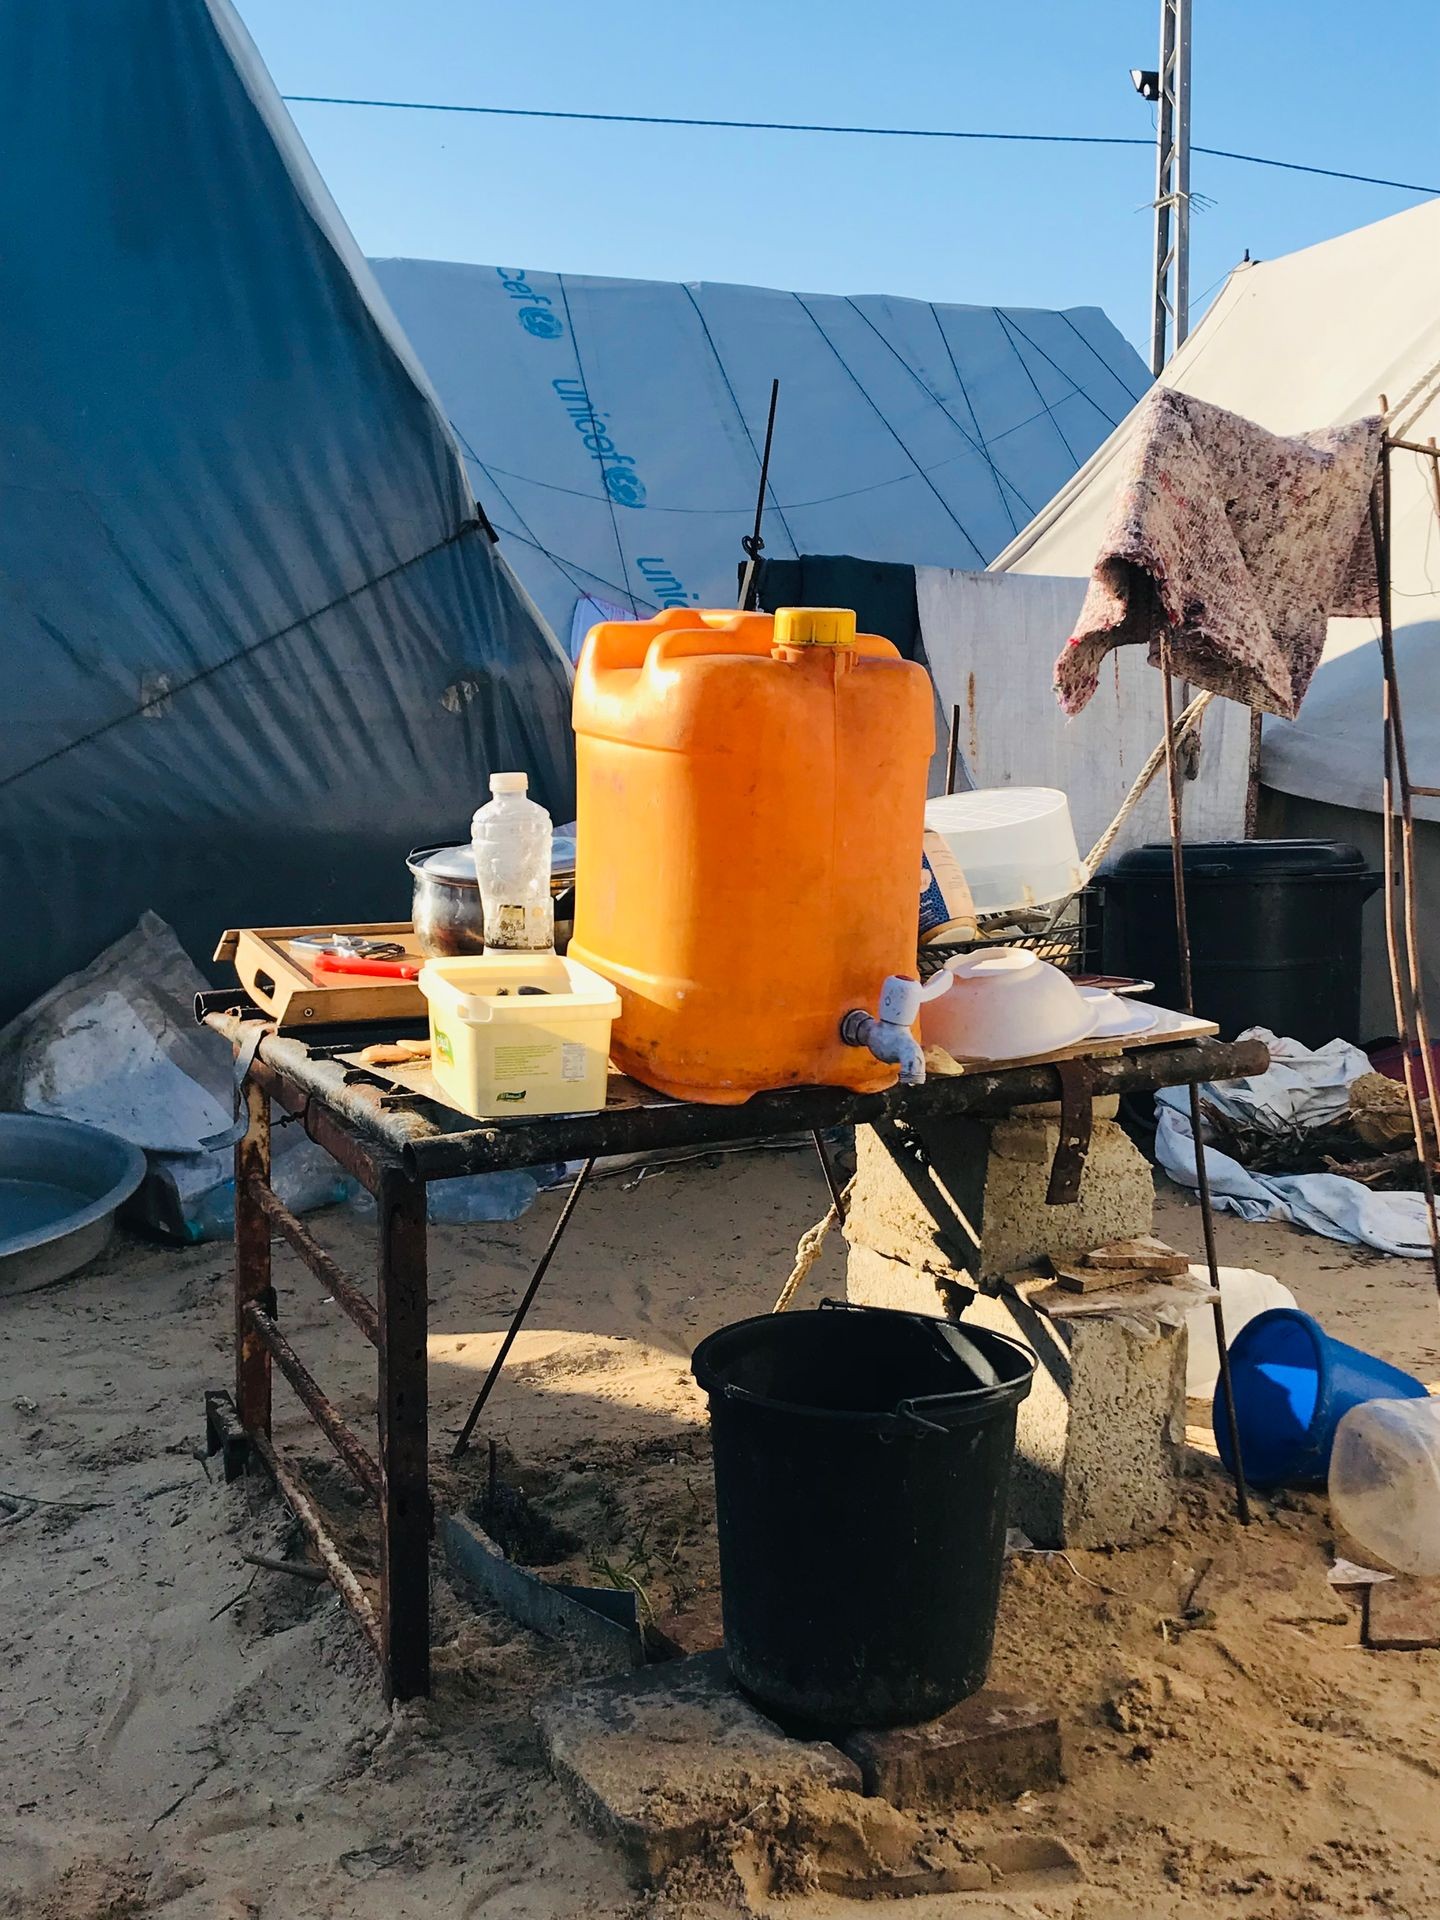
<point>356,963</point>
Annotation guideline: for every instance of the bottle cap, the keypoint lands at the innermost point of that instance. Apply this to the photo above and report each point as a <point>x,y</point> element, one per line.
<point>814,627</point>
<point>509,783</point>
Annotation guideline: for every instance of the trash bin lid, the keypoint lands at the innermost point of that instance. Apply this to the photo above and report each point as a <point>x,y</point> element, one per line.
<point>1242,860</point>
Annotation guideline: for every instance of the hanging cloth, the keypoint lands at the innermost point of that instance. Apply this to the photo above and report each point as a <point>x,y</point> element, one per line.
<point>1235,543</point>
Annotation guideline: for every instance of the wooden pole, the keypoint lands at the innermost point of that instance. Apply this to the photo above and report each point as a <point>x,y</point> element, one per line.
<point>1202,1172</point>
<point>1406,981</point>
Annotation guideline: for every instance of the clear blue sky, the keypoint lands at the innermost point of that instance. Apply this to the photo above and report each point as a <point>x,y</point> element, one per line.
<point>1312,80</point>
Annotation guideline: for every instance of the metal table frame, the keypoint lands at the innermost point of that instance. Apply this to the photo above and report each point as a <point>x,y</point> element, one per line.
<point>394,1148</point>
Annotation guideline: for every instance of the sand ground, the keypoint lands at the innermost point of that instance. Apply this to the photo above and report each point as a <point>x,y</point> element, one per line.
<point>181,1734</point>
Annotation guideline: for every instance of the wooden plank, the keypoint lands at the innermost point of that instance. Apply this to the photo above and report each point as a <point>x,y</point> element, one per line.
<point>1142,1252</point>
<point>1078,1278</point>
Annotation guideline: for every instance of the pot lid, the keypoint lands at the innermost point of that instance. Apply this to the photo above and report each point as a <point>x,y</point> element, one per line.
<point>453,864</point>
<point>456,865</point>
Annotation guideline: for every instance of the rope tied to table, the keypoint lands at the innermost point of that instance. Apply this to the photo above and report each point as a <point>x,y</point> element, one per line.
<point>809,1248</point>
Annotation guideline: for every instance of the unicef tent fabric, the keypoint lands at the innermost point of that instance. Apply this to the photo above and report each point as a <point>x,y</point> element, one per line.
<point>255,642</point>
<point>613,428</point>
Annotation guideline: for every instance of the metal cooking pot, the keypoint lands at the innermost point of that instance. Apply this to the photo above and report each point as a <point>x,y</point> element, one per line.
<point>446,910</point>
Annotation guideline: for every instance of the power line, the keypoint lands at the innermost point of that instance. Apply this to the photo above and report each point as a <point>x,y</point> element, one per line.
<point>803,126</point>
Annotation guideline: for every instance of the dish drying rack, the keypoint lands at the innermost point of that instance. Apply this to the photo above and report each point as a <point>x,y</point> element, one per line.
<point>1071,944</point>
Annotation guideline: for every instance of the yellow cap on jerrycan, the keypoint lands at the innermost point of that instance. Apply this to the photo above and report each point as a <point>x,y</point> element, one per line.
<point>750,800</point>
<point>814,627</point>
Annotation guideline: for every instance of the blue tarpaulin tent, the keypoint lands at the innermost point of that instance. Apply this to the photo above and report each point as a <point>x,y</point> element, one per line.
<point>254,640</point>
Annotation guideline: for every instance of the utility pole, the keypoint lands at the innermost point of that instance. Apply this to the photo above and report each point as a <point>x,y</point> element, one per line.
<point>1169,88</point>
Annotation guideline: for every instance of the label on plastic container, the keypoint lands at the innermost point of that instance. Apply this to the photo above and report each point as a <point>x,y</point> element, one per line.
<point>526,1060</point>
<point>574,1058</point>
<point>944,890</point>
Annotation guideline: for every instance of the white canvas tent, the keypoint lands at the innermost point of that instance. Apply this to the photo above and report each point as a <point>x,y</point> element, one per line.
<point>1311,340</point>
<point>613,428</point>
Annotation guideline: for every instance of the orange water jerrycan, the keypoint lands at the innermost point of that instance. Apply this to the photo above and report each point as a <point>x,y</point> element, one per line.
<point>750,812</point>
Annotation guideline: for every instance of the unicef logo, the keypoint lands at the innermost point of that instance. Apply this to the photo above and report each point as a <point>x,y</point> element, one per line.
<point>625,487</point>
<point>540,321</point>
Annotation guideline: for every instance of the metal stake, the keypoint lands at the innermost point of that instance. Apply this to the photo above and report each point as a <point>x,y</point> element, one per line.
<point>752,543</point>
<point>527,1299</point>
<point>1202,1173</point>
<point>832,1179</point>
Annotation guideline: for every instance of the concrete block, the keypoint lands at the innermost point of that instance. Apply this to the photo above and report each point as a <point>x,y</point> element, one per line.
<point>1100,1438</point>
<point>875,1280</point>
<point>1099,1446</point>
<point>918,1193</point>
<point>965,1198</point>
<point>991,1748</point>
<point>658,1760</point>
<point>1116,1197</point>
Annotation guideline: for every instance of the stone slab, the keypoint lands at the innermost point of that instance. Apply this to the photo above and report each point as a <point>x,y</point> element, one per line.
<point>991,1748</point>
<point>658,1760</point>
<point>1402,1615</point>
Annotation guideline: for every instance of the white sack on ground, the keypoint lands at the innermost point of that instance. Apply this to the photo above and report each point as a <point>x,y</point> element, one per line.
<point>116,1046</point>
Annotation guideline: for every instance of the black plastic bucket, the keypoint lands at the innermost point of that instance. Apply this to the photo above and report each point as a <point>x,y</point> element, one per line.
<point>1275,931</point>
<point>862,1478</point>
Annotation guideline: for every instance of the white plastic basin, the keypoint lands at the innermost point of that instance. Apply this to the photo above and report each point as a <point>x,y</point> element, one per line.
<point>1015,845</point>
<point>1005,1005</point>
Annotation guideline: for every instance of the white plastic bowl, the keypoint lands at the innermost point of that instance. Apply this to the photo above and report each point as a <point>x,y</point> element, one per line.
<point>1005,1005</point>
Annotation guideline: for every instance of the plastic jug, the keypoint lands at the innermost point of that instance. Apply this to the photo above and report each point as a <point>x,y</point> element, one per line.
<point>511,836</point>
<point>1385,1482</point>
<point>750,813</point>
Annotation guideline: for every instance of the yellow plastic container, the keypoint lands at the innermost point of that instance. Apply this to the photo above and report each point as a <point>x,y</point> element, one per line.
<point>750,808</point>
<point>498,1050</point>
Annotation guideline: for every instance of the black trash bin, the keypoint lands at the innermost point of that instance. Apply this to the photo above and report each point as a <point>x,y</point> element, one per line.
<point>1274,931</point>
<point>862,1478</point>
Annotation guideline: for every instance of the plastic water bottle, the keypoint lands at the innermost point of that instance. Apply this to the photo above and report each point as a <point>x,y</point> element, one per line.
<point>512,837</point>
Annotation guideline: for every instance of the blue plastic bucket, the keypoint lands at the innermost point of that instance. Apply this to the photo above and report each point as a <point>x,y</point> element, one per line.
<point>1293,1384</point>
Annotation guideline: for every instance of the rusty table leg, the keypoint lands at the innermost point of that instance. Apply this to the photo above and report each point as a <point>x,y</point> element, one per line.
<point>403,1304</point>
<point>252,1263</point>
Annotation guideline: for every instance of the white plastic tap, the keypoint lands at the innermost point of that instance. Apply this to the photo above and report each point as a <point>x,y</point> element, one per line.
<point>888,1034</point>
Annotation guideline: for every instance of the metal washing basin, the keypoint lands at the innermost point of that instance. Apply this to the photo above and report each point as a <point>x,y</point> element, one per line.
<point>60,1186</point>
